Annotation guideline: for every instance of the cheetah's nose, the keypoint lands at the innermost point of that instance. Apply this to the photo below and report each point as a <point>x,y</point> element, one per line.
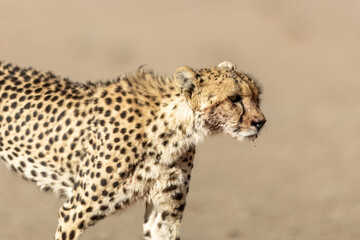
<point>258,123</point>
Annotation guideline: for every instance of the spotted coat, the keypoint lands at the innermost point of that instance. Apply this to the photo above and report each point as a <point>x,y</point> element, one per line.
<point>103,146</point>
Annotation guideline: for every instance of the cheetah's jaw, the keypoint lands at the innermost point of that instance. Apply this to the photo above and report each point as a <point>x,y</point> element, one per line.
<point>250,133</point>
<point>241,136</point>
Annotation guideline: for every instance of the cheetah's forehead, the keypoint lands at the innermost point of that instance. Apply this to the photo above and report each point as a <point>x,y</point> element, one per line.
<point>230,81</point>
<point>219,74</point>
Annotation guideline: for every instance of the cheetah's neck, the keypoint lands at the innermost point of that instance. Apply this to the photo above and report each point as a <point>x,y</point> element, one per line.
<point>182,128</point>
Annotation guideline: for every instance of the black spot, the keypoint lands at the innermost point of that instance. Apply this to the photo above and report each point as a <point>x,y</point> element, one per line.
<point>108,101</point>
<point>178,196</point>
<point>115,184</point>
<point>37,81</point>
<point>104,93</point>
<point>39,105</point>
<point>130,119</point>
<point>104,208</point>
<point>117,206</point>
<point>60,103</point>
<point>119,99</point>
<point>123,114</point>
<point>170,188</point>
<point>123,151</point>
<point>81,225</point>
<point>61,115</point>
<point>109,169</point>
<point>27,106</point>
<point>40,117</point>
<point>126,137</point>
<point>98,165</point>
<point>103,182</point>
<point>13,105</point>
<point>107,113</point>
<point>164,215</point>
<point>97,217</point>
<point>72,235</point>
<point>74,217</point>
<point>181,207</point>
<point>33,172</point>
<point>48,108</point>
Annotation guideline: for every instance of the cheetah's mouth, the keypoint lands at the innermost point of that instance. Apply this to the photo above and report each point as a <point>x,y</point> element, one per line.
<point>250,135</point>
<point>242,135</point>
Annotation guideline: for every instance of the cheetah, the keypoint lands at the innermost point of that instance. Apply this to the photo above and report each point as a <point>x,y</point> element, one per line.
<point>104,146</point>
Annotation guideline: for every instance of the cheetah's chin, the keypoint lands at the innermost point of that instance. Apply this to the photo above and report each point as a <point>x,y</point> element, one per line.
<point>248,135</point>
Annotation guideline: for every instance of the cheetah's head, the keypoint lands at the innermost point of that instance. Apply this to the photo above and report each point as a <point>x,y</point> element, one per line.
<point>223,99</point>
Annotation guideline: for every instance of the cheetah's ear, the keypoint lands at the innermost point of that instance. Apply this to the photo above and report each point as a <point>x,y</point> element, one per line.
<point>227,64</point>
<point>185,78</point>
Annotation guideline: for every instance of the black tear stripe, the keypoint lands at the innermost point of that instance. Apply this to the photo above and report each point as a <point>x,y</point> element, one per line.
<point>243,112</point>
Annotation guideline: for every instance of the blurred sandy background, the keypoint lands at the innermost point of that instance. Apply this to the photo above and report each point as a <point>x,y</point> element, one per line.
<point>300,181</point>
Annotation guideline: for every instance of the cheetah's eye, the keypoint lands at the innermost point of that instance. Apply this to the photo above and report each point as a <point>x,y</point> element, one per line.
<point>235,98</point>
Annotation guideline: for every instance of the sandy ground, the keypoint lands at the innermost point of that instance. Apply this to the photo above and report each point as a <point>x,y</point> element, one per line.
<point>300,181</point>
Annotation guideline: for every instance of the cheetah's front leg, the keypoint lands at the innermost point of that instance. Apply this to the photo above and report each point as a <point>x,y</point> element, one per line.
<point>166,201</point>
<point>162,221</point>
<point>71,222</point>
